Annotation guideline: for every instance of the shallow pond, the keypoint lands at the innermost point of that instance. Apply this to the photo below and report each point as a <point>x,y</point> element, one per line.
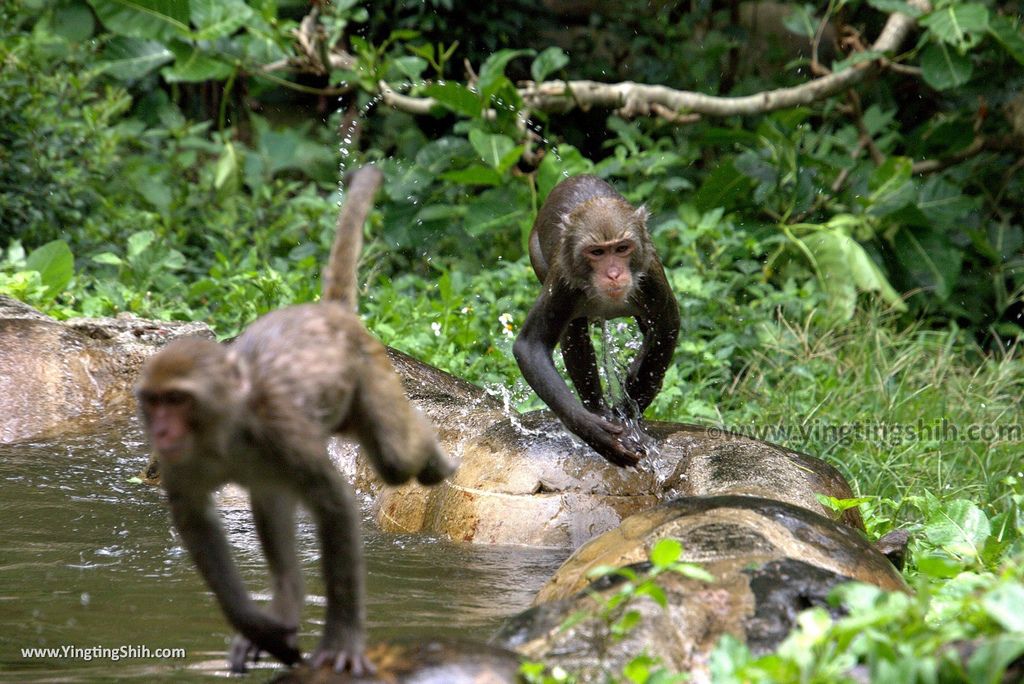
<point>87,559</point>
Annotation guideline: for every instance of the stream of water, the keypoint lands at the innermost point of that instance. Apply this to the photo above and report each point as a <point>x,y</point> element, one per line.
<point>88,560</point>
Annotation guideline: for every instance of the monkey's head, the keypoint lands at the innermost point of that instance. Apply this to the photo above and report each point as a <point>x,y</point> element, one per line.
<point>185,391</point>
<point>605,247</point>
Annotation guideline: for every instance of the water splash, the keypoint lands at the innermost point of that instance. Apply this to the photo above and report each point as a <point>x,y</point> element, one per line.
<point>614,372</point>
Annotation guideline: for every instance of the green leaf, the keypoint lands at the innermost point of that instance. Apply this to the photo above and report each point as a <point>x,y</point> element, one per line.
<point>929,257</point>
<point>892,187</point>
<point>1009,36</point>
<point>160,20</point>
<point>129,59</point>
<point>563,162</point>
<point>195,65</point>
<point>723,187</point>
<point>1005,605</point>
<point>989,662</point>
<point>227,166</point>
<point>840,505</point>
<point>547,62</point>
<point>456,97</point>
<point>218,18</point>
<point>55,264</point>
<point>654,592</point>
<point>666,552</point>
<point>959,527</point>
<point>938,565</point>
<point>108,259</point>
<point>943,68</point>
<point>74,23</point>
<point>492,73</point>
<point>891,6</point>
<point>943,205</point>
<point>477,174</point>
<point>625,624</point>
<point>958,24</point>
<point>844,268</point>
<point>410,66</point>
<point>492,148</point>
<point>139,242</point>
<point>500,208</point>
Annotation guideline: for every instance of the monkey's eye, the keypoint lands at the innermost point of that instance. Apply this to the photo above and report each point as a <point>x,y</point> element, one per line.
<point>596,252</point>
<point>175,398</point>
<point>624,248</point>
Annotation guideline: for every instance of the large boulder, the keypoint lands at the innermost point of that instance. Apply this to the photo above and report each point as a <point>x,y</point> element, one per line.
<point>770,560</point>
<point>62,377</point>
<point>523,479</point>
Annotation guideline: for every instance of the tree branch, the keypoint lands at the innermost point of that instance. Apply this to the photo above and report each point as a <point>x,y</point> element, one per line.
<point>680,106</point>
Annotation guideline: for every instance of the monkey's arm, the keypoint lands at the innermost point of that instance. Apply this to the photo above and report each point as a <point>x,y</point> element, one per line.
<point>200,529</point>
<point>581,363</point>
<point>659,322</point>
<point>533,351</point>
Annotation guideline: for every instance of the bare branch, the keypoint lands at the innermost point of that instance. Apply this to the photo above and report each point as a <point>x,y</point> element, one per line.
<point>638,99</point>
<point>1004,143</point>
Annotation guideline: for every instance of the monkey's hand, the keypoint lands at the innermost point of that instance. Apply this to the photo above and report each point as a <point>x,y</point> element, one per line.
<point>348,657</point>
<point>608,439</point>
<point>275,638</point>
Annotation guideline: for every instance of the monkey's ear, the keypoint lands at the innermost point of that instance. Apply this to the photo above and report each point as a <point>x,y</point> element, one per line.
<point>641,215</point>
<point>239,373</point>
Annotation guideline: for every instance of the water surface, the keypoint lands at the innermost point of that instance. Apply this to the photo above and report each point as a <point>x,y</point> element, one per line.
<point>87,559</point>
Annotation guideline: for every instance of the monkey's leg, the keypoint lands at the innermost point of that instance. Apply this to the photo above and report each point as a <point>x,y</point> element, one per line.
<point>399,441</point>
<point>330,500</point>
<point>581,364</point>
<point>199,526</point>
<point>274,514</point>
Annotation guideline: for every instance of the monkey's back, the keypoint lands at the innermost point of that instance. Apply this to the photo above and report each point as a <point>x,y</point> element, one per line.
<point>308,355</point>
<point>546,234</point>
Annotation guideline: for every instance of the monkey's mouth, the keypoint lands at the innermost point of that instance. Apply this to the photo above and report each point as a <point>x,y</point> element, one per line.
<point>616,292</point>
<point>170,451</point>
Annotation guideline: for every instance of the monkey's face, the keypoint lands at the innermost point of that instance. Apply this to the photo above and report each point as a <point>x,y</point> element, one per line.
<point>611,275</point>
<point>170,422</point>
<point>184,392</point>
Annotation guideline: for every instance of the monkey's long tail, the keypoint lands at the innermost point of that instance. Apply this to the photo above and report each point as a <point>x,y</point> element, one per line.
<point>339,278</point>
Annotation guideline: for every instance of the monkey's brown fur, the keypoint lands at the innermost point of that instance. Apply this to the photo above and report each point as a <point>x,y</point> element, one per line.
<point>591,250</point>
<point>259,413</point>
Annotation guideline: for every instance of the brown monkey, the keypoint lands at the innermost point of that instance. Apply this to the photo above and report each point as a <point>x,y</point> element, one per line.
<point>259,413</point>
<point>591,250</point>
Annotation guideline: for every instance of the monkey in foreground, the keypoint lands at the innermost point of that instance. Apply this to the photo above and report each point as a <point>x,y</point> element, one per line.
<point>591,250</point>
<point>259,413</point>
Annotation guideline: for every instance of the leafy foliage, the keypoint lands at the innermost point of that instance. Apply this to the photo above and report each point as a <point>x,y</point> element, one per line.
<point>853,261</point>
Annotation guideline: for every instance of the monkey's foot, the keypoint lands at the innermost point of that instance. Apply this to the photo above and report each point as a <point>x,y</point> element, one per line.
<point>438,467</point>
<point>348,659</point>
<point>243,651</point>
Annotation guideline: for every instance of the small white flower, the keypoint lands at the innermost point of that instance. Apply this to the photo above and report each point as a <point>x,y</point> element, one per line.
<point>506,324</point>
<point>436,327</point>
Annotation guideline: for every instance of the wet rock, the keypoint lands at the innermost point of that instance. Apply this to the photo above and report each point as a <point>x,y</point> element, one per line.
<point>771,560</point>
<point>66,377</point>
<point>422,662</point>
<point>524,480</point>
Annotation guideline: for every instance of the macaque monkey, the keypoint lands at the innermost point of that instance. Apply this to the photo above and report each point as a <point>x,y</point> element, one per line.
<point>259,413</point>
<point>591,250</point>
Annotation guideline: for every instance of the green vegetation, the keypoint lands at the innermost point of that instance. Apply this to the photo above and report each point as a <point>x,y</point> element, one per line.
<point>850,270</point>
